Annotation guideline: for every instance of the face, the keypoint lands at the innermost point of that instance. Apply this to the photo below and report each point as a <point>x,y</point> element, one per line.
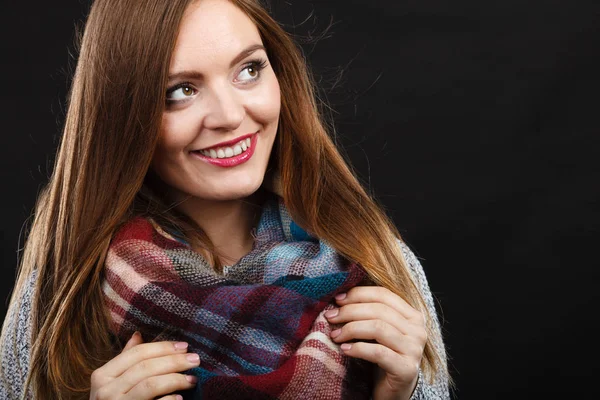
<point>222,107</point>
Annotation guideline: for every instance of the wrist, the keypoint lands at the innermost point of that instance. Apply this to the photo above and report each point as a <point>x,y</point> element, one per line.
<point>405,392</point>
<point>413,386</point>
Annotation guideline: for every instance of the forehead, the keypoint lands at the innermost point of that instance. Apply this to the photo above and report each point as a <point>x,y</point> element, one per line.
<point>212,32</point>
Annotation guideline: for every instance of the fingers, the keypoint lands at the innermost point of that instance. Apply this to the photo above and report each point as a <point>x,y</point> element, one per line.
<point>383,333</point>
<point>399,332</point>
<point>377,294</point>
<point>122,362</point>
<point>145,371</point>
<point>101,377</point>
<point>401,368</point>
<point>134,340</point>
<point>153,367</point>
<point>373,311</point>
<point>172,397</point>
<point>158,385</point>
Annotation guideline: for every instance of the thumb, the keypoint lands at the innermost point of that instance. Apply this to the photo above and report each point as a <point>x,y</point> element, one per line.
<point>135,339</point>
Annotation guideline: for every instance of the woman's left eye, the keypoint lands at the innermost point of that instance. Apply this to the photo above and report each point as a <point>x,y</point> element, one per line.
<point>251,71</point>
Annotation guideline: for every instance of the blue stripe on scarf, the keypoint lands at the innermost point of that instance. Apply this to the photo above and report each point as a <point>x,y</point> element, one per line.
<point>323,260</point>
<point>203,377</point>
<point>299,234</point>
<point>249,367</point>
<point>314,288</point>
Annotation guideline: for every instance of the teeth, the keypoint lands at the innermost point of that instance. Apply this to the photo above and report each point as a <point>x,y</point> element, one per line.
<point>226,152</point>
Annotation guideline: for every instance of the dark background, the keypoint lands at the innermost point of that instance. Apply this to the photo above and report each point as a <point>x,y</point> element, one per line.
<point>474,123</point>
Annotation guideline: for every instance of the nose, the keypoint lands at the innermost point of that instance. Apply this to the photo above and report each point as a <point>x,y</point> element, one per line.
<point>224,109</point>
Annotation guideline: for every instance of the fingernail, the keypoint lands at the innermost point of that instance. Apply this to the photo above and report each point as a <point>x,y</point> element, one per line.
<point>136,333</point>
<point>346,346</point>
<point>336,333</point>
<point>191,378</point>
<point>179,397</point>
<point>193,358</point>
<point>181,345</point>
<point>332,313</point>
<point>340,296</point>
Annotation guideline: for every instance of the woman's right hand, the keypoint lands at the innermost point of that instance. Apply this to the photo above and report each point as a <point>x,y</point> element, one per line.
<point>145,371</point>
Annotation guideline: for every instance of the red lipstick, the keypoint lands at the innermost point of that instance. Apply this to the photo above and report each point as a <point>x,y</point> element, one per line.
<point>230,161</point>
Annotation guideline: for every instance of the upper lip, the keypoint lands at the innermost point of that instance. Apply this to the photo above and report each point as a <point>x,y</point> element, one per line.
<point>228,142</point>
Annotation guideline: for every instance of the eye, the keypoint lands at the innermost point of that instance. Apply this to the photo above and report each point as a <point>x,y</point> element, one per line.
<point>251,71</point>
<point>180,92</point>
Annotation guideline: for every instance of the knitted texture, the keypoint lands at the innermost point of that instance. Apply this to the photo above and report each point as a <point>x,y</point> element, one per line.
<point>16,340</point>
<point>259,327</point>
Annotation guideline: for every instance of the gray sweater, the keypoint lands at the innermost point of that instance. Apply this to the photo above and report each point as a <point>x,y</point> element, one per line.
<point>16,343</point>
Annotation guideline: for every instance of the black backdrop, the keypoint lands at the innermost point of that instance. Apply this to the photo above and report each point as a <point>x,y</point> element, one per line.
<point>474,123</point>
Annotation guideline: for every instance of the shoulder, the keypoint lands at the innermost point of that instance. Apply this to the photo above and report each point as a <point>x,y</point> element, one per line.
<point>417,271</point>
<point>420,279</point>
<point>439,388</point>
<point>16,341</point>
<point>412,260</point>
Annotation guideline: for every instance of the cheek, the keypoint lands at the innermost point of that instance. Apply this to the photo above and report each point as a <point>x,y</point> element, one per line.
<point>171,144</point>
<point>175,132</point>
<point>266,103</point>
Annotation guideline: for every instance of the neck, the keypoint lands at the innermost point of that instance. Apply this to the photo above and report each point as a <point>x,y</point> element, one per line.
<point>228,224</point>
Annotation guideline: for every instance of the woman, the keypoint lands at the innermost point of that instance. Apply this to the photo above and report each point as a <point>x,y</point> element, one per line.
<point>197,201</point>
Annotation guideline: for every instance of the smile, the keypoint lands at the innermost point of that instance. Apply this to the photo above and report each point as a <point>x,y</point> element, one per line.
<point>229,156</point>
<point>228,152</point>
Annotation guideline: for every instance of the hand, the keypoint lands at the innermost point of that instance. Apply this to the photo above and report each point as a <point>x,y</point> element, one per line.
<point>145,371</point>
<point>372,313</point>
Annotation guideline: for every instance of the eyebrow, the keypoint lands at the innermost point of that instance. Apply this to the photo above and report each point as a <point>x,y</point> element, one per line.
<point>196,75</point>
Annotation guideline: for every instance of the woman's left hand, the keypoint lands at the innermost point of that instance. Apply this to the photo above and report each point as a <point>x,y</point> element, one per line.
<point>373,313</point>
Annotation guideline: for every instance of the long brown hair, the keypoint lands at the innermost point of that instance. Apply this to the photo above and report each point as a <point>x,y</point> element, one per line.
<point>99,181</point>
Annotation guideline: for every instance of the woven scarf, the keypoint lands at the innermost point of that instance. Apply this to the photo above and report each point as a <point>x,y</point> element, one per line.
<point>259,327</point>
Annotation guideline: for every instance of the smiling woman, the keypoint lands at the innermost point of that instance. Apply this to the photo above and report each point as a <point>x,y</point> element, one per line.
<point>207,239</point>
<point>228,99</point>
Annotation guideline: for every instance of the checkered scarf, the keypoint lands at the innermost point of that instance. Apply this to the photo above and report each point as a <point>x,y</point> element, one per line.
<point>258,327</point>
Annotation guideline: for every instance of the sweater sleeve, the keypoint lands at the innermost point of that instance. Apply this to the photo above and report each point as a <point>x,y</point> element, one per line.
<point>439,388</point>
<point>16,343</point>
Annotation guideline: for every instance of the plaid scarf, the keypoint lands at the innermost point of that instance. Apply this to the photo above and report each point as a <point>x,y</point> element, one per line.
<point>258,327</point>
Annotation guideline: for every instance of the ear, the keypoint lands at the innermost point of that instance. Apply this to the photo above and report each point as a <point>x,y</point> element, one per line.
<point>272,182</point>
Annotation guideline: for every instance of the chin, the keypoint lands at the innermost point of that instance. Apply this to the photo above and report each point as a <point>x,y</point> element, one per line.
<point>239,191</point>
